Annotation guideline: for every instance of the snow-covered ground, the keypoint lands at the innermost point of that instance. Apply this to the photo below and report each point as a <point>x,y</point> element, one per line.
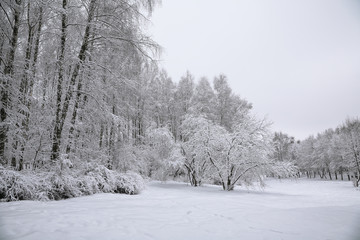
<point>302,209</point>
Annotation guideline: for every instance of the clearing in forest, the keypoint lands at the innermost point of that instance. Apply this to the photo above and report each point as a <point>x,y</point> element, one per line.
<point>301,209</point>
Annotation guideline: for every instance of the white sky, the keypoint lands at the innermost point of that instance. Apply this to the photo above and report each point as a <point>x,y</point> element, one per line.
<point>297,61</point>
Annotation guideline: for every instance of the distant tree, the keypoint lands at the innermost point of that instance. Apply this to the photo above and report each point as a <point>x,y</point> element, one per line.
<point>162,92</point>
<point>283,146</point>
<point>332,152</point>
<point>183,96</point>
<point>305,160</point>
<point>203,101</point>
<point>323,154</point>
<point>229,107</point>
<point>338,155</point>
<point>184,93</point>
<point>223,94</point>
<point>350,135</point>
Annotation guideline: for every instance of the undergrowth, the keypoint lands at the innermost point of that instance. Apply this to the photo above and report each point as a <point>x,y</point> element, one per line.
<point>56,185</point>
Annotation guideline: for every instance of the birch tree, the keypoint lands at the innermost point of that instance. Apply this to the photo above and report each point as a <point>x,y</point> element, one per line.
<point>11,14</point>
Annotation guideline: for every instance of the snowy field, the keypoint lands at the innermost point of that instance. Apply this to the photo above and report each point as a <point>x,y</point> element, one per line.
<point>302,209</point>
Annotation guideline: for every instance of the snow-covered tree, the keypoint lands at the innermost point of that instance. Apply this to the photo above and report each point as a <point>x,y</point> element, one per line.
<point>284,149</point>
<point>234,157</point>
<point>242,156</point>
<point>322,153</point>
<point>338,155</point>
<point>164,157</point>
<point>192,148</point>
<point>184,93</point>
<point>350,136</point>
<point>203,101</point>
<point>305,160</point>
<point>229,107</point>
<point>70,78</point>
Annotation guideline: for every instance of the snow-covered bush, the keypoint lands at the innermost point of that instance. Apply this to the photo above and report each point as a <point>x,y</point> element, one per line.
<point>16,186</point>
<point>102,179</point>
<point>63,186</point>
<point>23,185</point>
<point>129,183</point>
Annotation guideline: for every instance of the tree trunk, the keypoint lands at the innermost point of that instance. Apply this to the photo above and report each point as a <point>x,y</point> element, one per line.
<point>111,147</point>
<point>330,177</point>
<point>24,90</point>
<point>101,136</point>
<point>193,180</point>
<point>74,114</point>
<point>76,107</point>
<point>56,141</point>
<point>106,137</point>
<point>36,50</point>
<point>62,113</point>
<point>322,174</point>
<point>2,42</point>
<point>8,71</point>
<point>24,86</point>
<point>9,68</point>
<point>192,176</point>
<point>228,186</point>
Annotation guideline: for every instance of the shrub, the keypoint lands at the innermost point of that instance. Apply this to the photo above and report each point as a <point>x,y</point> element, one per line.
<point>44,186</point>
<point>16,186</point>
<point>63,186</point>
<point>130,183</point>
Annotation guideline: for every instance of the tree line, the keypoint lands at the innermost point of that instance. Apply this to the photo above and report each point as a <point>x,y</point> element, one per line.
<point>70,72</point>
<point>332,154</point>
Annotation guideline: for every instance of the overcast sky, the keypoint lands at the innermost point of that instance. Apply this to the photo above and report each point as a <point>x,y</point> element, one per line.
<point>297,61</point>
